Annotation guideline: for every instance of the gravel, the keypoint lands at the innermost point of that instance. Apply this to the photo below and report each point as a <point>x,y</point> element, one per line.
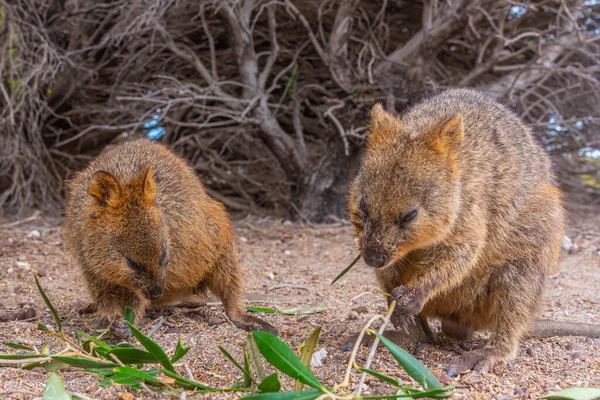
<point>297,263</point>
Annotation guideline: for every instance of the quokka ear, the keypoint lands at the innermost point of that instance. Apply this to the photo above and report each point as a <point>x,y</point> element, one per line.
<point>147,185</point>
<point>106,189</point>
<point>446,137</point>
<point>382,126</point>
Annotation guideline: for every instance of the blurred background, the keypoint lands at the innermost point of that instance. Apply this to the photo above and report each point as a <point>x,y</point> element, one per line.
<point>268,100</point>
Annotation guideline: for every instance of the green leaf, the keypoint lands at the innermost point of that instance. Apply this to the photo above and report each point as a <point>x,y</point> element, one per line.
<point>254,357</point>
<point>261,309</point>
<point>236,363</point>
<point>123,345</point>
<point>18,346</point>
<point>575,393</point>
<point>132,356</point>
<point>283,358</point>
<point>180,351</point>
<point>125,378</point>
<point>119,379</point>
<point>152,347</point>
<point>186,383</point>
<point>100,371</point>
<point>407,392</point>
<point>308,348</point>
<point>289,311</point>
<point>300,311</point>
<point>94,340</point>
<point>55,389</point>
<point>270,384</point>
<point>379,375</point>
<point>49,365</point>
<point>42,327</point>
<point>302,395</point>
<point>411,365</point>
<point>345,270</point>
<point>48,303</point>
<point>129,315</point>
<point>137,374</point>
<point>246,382</point>
<point>20,356</point>
<point>82,362</point>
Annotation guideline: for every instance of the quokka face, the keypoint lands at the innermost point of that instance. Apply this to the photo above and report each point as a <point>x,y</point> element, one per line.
<point>406,193</point>
<point>127,222</point>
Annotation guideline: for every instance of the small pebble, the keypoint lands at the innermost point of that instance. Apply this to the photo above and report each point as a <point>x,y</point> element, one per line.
<point>419,349</point>
<point>530,352</point>
<point>34,234</point>
<point>41,273</point>
<point>473,378</point>
<point>174,329</point>
<point>318,357</point>
<point>212,321</point>
<point>574,346</point>
<point>25,314</point>
<point>361,309</point>
<point>352,316</point>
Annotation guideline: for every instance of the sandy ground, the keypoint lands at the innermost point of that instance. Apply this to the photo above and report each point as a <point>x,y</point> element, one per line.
<point>290,265</point>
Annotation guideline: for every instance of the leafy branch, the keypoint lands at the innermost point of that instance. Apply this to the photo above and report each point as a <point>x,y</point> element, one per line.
<point>124,364</point>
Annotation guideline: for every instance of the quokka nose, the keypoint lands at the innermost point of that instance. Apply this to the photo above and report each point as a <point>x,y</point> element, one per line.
<point>374,257</point>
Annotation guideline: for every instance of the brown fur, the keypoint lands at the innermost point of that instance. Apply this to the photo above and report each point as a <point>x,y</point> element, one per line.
<point>489,218</point>
<point>132,202</point>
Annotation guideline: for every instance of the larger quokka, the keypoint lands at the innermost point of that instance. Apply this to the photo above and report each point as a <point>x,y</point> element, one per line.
<point>456,206</point>
<point>144,231</point>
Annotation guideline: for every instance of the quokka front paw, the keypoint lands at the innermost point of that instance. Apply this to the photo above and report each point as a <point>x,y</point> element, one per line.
<point>409,301</point>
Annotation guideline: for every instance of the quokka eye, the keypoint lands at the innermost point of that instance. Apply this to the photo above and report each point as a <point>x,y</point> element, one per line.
<point>409,216</point>
<point>133,265</point>
<point>363,207</point>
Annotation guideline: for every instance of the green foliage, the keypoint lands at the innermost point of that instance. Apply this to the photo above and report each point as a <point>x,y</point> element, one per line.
<point>575,393</point>
<point>411,365</point>
<point>252,357</point>
<point>306,352</point>
<point>55,389</point>
<point>48,303</point>
<point>270,384</point>
<point>180,351</point>
<point>279,354</point>
<point>152,347</point>
<point>17,346</point>
<point>289,311</point>
<point>345,270</point>
<point>151,367</point>
<point>128,315</point>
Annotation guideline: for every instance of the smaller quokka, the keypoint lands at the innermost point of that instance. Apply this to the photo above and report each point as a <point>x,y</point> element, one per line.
<point>144,232</point>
